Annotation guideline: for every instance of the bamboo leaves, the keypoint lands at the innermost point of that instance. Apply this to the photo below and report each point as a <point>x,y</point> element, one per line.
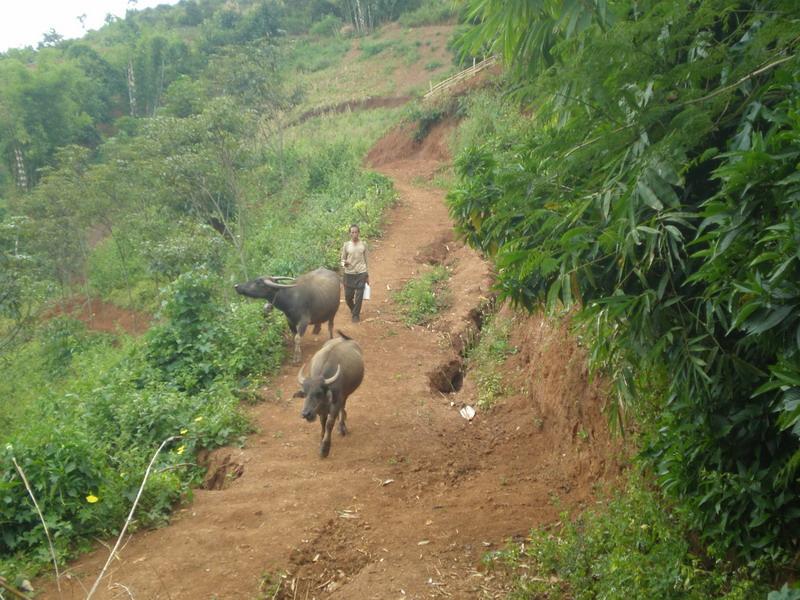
<point>664,201</point>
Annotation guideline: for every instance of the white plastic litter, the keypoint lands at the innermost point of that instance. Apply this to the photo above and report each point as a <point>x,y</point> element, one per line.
<point>467,412</point>
<point>366,291</point>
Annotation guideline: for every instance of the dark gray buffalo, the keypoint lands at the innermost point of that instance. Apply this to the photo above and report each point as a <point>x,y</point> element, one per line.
<point>336,371</point>
<point>312,299</point>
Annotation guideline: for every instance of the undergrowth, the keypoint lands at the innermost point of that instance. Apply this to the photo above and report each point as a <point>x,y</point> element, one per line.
<point>84,443</point>
<point>426,114</point>
<point>487,356</point>
<point>423,298</point>
<point>430,13</point>
<point>630,547</point>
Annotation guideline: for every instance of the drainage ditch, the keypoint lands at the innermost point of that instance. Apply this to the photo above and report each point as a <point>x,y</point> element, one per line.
<point>448,377</point>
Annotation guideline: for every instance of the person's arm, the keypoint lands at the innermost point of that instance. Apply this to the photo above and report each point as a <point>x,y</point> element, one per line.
<point>366,264</point>
<point>344,254</point>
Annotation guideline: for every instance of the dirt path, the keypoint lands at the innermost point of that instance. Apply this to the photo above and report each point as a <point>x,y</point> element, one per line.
<point>408,503</point>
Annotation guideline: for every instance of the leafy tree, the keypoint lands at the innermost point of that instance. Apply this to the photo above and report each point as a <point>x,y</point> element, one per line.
<point>58,208</point>
<point>655,188</point>
<point>45,107</point>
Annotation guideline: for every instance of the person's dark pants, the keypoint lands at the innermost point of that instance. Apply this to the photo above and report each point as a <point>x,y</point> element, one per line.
<point>354,293</point>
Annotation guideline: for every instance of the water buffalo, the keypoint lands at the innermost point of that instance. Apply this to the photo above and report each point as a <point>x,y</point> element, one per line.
<point>312,299</point>
<point>336,371</point>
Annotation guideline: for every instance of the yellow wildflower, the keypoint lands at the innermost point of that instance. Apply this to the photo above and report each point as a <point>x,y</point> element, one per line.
<point>91,498</point>
<point>198,419</point>
<point>180,449</point>
<point>184,431</point>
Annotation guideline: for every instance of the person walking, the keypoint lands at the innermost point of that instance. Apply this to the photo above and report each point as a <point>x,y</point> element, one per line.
<point>354,262</point>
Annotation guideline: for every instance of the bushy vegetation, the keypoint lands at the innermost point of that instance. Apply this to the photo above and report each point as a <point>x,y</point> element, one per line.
<point>654,187</point>
<point>85,441</point>
<point>630,547</point>
<point>430,13</point>
<point>426,114</point>
<point>421,299</point>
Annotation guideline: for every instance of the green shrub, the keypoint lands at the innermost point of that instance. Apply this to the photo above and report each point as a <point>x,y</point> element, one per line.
<point>430,13</point>
<point>632,548</point>
<point>329,25</point>
<point>109,271</point>
<point>61,338</point>
<point>666,212</point>
<point>201,342</point>
<point>423,298</point>
<point>64,465</point>
<point>370,48</point>
<point>428,114</point>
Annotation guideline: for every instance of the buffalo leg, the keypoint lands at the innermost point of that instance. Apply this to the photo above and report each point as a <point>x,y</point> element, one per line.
<point>342,424</point>
<point>301,330</point>
<point>330,328</point>
<point>325,447</point>
<point>317,328</point>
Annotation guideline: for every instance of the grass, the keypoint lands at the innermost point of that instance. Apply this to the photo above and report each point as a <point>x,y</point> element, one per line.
<point>423,298</point>
<point>329,81</point>
<point>629,547</point>
<point>360,129</point>
<point>486,358</point>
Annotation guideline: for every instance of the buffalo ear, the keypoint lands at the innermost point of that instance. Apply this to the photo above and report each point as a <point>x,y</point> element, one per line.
<point>299,394</point>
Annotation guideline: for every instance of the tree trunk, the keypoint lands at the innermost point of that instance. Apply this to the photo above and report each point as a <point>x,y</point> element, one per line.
<point>19,169</point>
<point>131,88</point>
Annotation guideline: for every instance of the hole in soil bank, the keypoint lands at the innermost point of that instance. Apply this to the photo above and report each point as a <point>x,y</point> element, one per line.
<point>448,377</point>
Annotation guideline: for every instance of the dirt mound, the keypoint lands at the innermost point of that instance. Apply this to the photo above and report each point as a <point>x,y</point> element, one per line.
<point>99,315</point>
<point>400,145</point>
<point>438,250</point>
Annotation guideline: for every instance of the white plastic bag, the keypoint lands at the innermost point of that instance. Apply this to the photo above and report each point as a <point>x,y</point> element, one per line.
<point>366,291</point>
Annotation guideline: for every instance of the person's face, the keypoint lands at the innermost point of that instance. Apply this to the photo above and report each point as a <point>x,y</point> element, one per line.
<point>354,233</point>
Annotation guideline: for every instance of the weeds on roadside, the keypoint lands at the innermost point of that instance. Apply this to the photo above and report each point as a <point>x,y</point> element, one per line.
<point>485,358</point>
<point>422,298</point>
<point>631,547</point>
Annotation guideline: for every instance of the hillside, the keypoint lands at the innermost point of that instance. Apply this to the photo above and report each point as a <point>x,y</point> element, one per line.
<point>407,504</point>
<point>628,169</point>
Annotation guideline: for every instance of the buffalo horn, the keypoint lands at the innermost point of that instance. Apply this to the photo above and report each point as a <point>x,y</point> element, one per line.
<point>272,283</point>
<point>335,376</point>
<point>300,377</point>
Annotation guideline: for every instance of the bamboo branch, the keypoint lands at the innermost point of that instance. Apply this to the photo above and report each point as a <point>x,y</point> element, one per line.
<point>44,524</point>
<point>130,515</point>
<point>741,80</point>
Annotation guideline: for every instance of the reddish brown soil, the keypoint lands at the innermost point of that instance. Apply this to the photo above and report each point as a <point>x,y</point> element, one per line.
<point>409,502</point>
<point>103,316</point>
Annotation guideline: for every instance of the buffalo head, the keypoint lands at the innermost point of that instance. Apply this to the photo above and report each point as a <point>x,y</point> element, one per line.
<point>316,392</point>
<point>263,287</point>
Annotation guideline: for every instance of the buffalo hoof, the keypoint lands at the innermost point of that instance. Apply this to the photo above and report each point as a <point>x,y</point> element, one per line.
<point>342,428</point>
<point>325,449</point>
